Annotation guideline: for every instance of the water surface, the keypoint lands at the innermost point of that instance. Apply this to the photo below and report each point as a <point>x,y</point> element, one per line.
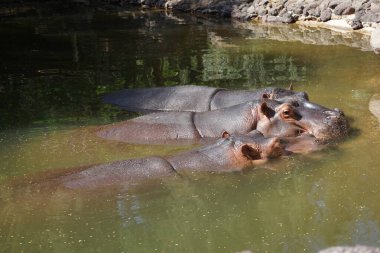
<point>53,72</point>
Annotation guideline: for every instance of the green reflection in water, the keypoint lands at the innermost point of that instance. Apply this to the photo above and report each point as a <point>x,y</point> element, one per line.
<point>53,73</point>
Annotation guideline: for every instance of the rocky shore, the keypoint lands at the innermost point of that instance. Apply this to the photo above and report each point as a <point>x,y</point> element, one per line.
<point>345,16</point>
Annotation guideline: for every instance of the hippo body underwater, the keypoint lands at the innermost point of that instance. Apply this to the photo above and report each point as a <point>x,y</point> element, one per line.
<point>268,116</point>
<point>194,98</point>
<point>228,154</point>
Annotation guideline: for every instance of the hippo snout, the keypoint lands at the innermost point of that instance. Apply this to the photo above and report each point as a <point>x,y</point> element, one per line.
<point>333,115</point>
<point>314,106</point>
<point>341,113</point>
<point>276,148</point>
<point>337,124</point>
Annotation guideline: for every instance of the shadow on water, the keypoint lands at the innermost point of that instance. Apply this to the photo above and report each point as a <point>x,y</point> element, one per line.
<point>57,68</point>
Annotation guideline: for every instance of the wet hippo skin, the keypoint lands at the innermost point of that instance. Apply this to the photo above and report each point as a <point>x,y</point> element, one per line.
<point>193,98</point>
<point>230,153</point>
<point>271,117</point>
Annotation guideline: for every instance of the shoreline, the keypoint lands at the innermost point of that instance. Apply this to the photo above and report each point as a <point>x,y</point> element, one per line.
<point>342,16</point>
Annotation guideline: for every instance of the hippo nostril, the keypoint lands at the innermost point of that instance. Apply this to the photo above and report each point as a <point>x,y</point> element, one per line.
<point>277,147</point>
<point>333,113</point>
<point>340,112</point>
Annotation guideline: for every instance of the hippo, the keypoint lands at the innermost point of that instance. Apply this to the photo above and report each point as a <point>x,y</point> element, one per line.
<point>228,154</point>
<point>193,98</point>
<point>268,116</point>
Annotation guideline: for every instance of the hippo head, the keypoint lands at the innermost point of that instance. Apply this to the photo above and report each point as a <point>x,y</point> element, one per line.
<point>292,97</point>
<point>286,94</point>
<point>254,148</point>
<point>276,119</point>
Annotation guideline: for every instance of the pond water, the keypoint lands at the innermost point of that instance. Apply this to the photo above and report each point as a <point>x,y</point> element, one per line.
<point>53,72</point>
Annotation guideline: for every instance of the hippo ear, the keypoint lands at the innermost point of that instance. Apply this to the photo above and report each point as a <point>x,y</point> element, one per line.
<point>264,110</point>
<point>290,87</point>
<point>250,152</point>
<point>267,96</point>
<point>226,135</point>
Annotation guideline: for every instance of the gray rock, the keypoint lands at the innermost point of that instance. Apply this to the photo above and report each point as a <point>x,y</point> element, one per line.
<point>310,9</point>
<point>370,16</point>
<point>288,18</point>
<point>359,4</point>
<point>263,12</point>
<point>251,10</point>
<point>342,8</point>
<point>273,12</point>
<point>283,12</point>
<point>375,7</point>
<point>356,24</point>
<point>356,249</point>
<point>326,15</point>
<point>271,19</point>
<point>277,19</point>
<point>375,40</point>
<point>298,10</point>
<point>349,11</point>
<point>334,4</point>
<point>359,13</point>
<point>324,4</point>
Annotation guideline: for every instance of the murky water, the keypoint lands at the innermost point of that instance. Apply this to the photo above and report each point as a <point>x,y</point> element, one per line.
<point>53,71</point>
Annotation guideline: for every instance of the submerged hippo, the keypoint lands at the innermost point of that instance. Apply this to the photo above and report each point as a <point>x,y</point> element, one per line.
<point>193,98</point>
<point>230,153</point>
<point>270,117</point>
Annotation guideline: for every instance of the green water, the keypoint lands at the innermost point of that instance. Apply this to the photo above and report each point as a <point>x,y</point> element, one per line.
<point>53,72</point>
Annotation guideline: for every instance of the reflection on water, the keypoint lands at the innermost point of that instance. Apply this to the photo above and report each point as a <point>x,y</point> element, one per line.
<point>53,72</point>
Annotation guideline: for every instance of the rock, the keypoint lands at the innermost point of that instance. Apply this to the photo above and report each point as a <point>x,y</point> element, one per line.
<point>312,9</point>
<point>342,8</point>
<point>263,12</point>
<point>375,7</point>
<point>359,5</point>
<point>271,19</point>
<point>349,11</point>
<point>298,10</point>
<point>375,40</point>
<point>374,105</point>
<point>251,10</point>
<point>370,16</point>
<point>273,12</point>
<point>282,12</point>
<point>326,15</point>
<point>333,4</point>
<point>356,24</point>
<point>356,249</point>
<point>339,24</point>
<point>288,18</point>
<point>359,13</point>
<point>323,5</point>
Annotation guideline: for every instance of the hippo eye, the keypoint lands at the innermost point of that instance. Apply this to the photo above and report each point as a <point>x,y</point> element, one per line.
<point>286,114</point>
<point>300,132</point>
<point>295,104</point>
